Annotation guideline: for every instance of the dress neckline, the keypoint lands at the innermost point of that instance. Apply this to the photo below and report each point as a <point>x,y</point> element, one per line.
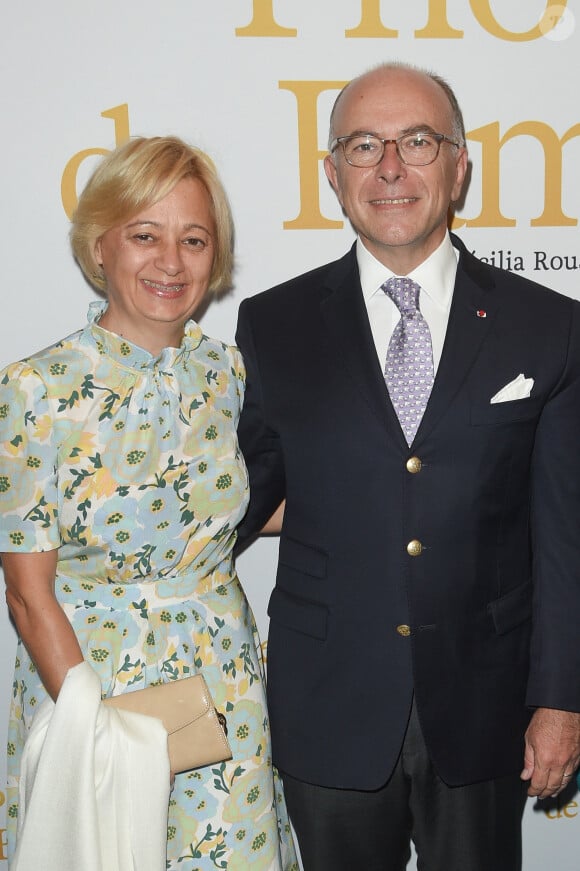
<point>132,356</point>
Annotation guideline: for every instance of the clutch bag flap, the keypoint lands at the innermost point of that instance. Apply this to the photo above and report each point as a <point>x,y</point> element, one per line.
<point>195,735</point>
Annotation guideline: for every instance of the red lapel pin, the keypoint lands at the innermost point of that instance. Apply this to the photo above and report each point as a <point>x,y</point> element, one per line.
<point>481,313</point>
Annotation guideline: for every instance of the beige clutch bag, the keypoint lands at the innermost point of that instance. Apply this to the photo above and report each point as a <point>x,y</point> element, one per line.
<point>196,733</point>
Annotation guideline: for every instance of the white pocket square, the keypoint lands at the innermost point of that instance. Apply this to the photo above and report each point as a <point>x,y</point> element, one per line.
<point>519,388</point>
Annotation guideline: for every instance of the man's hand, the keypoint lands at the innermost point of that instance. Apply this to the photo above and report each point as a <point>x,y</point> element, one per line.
<point>552,752</point>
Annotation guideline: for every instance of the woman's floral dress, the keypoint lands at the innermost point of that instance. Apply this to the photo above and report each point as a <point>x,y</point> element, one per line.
<point>129,464</point>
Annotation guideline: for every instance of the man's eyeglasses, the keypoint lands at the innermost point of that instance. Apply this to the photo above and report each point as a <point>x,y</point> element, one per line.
<point>414,149</point>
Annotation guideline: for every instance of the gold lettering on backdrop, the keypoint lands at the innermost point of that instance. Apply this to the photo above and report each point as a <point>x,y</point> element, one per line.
<point>370,22</point>
<point>263,23</point>
<point>568,811</point>
<point>490,215</point>
<point>371,25</point>
<point>437,26</point>
<point>309,155</point>
<point>550,18</point>
<point>68,186</point>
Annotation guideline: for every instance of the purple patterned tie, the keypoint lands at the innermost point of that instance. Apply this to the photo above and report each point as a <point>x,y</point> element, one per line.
<point>409,366</point>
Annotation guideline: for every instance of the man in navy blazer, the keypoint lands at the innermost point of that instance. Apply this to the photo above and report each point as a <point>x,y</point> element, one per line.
<point>423,642</point>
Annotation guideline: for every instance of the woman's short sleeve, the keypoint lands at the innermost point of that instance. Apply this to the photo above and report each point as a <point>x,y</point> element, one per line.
<point>28,476</point>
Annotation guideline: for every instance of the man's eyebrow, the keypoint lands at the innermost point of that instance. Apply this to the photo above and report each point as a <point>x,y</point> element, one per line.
<point>414,128</point>
<point>418,128</point>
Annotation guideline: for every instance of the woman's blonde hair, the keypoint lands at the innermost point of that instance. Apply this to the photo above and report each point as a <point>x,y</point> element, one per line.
<point>135,176</point>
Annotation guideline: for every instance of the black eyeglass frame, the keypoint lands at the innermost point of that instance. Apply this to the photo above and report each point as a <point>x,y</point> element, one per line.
<point>439,138</point>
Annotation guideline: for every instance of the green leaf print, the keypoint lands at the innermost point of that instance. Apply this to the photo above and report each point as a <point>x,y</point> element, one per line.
<point>219,780</point>
<point>222,533</point>
<point>68,403</point>
<point>195,852</point>
<point>141,607</point>
<point>219,624</point>
<point>160,481</point>
<point>117,558</point>
<point>75,532</point>
<point>187,516</point>
<point>109,404</point>
<point>237,773</point>
<point>169,668</point>
<point>130,666</point>
<point>249,669</point>
<point>216,854</point>
<point>179,484</point>
<point>81,476</point>
<point>127,399</point>
<point>38,516</point>
<point>143,562</point>
<point>83,507</point>
<point>87,387</point>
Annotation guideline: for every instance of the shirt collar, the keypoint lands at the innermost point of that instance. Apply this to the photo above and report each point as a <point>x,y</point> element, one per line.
<point>436,275</point>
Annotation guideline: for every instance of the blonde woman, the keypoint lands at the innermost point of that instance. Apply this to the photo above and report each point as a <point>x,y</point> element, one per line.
<point>122,484</point>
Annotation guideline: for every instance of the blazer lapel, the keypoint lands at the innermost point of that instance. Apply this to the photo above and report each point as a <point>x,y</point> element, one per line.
<point>345,315</point>
<point>472,313</point>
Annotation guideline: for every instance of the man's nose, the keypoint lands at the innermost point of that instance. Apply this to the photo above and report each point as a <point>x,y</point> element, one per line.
<point>390,166</point>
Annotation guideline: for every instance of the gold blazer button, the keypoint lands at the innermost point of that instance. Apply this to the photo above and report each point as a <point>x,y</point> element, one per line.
<point>414,547</point>
<point>414,465</point>
<point>404,630</point>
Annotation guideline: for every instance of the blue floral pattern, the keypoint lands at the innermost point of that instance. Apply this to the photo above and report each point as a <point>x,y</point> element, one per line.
<point>129,465</point>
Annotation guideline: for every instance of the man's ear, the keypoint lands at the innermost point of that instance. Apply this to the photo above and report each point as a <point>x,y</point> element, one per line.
<point>460,173</point>
<point>332,175</point>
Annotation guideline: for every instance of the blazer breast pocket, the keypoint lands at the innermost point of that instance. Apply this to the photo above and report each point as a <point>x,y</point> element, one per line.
<point>498,413</point>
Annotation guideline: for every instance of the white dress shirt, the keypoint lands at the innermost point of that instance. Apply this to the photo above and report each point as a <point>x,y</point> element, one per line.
<point>436,277</point>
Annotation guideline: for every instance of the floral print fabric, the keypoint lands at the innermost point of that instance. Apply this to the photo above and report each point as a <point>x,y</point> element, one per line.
<point>129,464</point>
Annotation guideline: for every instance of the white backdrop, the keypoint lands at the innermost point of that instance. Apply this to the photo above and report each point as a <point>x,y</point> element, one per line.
<point>252,82</point>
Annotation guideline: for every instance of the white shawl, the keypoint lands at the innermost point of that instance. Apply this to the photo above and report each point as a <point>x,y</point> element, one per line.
<point>94,785</point>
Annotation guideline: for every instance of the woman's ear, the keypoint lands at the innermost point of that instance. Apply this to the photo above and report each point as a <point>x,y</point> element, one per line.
<point>97,253</point>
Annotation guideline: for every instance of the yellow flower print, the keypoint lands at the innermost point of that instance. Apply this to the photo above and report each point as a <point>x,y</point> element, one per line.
<point>84,446</point>
<point>44,426</point>
<point>104,483</point>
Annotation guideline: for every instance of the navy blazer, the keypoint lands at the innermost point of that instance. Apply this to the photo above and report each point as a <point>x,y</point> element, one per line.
<point>483,624</point>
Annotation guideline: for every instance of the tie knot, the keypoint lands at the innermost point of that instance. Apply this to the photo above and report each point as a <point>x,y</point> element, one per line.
<point>404,292</point>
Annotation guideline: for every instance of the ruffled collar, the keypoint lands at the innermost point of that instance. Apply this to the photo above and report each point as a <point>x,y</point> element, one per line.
<point>133,356</point>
